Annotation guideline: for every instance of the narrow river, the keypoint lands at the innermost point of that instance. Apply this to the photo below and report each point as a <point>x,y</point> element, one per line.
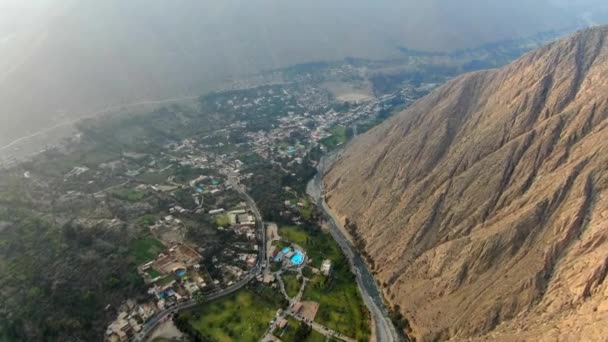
<point>385,330</point>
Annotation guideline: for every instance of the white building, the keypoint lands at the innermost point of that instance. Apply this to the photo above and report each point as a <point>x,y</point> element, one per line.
<point>326,267</point>
<point>216,211</point>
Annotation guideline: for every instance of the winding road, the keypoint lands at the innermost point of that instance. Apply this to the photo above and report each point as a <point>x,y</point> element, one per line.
<point>161,316</point>
<point>385,330</point>
<point>260,223</point>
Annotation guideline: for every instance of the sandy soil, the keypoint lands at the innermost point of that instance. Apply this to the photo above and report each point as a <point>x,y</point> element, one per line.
<point>350,91</point>
<point>166,330</point>
<point>309,310</point>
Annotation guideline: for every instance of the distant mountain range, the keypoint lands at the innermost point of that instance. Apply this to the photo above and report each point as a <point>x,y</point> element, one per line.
<point>483,207</point>
<point>72,58</point>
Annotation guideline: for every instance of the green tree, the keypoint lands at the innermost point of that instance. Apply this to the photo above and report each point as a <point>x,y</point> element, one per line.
<point>302,333</point>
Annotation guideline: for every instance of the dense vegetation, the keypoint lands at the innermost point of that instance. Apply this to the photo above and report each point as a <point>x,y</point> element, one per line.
<point>339,136</point>
<point>299,332</point>
<point>267,187</point>
<point>65,264</point>
<point>53,282</point>
<point>64,257</point>
<point>341,306</point>
<point>243,316</point>
<point>292,284</point>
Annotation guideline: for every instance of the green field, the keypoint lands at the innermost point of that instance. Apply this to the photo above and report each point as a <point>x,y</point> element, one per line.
<point>147,220</point>
<point>222,220</point>
<point>155,177</point>
<point>337,138</point>
<point>279,244</point>
<point>243,316</point>
<point>341,306</point>
<point>293,234</point>
<point>146,249</point>
<point>129,195</point>
<point>165,280</point>
<point>153,273</point>
<point>316,337</point>
<point>293,329</point>
<point>292,284</point>
<point>306,210</point>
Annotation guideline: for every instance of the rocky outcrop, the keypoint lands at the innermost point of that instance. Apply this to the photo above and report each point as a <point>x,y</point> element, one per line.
<point>484,206</point>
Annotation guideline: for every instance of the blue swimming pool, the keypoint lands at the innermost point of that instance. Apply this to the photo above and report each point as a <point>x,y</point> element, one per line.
<point>286,250</point>
<point>297,259</point>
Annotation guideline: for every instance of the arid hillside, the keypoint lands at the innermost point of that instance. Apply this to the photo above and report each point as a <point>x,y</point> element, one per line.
<point>484,206</point>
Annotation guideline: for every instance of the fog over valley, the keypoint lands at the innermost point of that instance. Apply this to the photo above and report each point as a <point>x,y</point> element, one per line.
<point>68,59</point>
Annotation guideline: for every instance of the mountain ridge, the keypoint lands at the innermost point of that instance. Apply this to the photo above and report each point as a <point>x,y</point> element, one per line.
<point>472,202</point>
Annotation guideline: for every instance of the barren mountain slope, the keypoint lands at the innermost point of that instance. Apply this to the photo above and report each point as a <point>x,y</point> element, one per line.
<point>484,206</point>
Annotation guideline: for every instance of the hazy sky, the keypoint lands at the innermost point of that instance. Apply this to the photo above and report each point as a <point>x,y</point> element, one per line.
<point>19,14</point>
<point>65,58</point>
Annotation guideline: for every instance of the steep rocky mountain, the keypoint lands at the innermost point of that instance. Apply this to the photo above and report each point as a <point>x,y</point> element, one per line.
<point>483,207</point>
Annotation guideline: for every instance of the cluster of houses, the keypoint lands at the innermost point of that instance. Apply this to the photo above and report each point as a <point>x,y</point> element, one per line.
<point>129,321</point>
<point>174,274</point>
<point>293,212</point>
<point>178,262</point>
<point>241,221</point>
<point>174,277</point>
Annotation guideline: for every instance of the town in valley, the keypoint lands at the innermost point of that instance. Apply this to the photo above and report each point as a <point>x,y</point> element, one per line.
<point>199,211</point>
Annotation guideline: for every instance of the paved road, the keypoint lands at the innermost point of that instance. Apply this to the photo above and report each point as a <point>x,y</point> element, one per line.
<point>325,331</point>
<point>161,316</point>
<point>385,330</point>
<point>258,218</point>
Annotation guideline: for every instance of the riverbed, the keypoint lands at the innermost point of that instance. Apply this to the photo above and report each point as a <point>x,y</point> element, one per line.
<point>385,330</point>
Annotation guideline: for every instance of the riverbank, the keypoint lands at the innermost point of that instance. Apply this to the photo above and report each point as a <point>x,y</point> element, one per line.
<point>384,329</point>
